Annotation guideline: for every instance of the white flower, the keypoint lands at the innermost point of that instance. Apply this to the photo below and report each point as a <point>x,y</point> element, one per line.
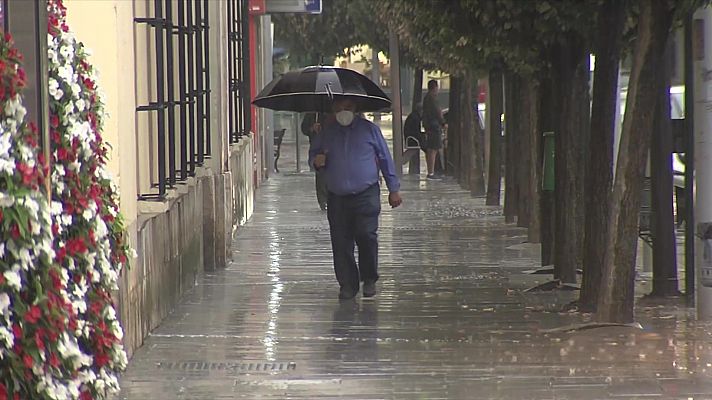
<point>25,258</point>
<point>66,72</point>
<point>80,104</point>
<point>4,303</point>
<point>53,86</point>
<point>32,206</point>
<point>7,337</point>
<point>2,250</point>
<point>7,165</point>
<point>13,278</point>
<point>88,214</point>
<point>66,52</point>
<point>6,200</point>
<point>5,144</point>
<point>69,107</point>
<point>58,94</point>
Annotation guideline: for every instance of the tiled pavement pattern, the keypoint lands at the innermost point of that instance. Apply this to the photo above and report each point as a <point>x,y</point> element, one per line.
<point>451,319</point>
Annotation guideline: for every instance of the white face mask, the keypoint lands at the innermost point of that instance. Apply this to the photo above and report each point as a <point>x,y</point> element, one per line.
<point>345,117</point>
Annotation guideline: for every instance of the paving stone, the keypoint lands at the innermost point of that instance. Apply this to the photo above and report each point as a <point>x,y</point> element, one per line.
<point>451,319</point>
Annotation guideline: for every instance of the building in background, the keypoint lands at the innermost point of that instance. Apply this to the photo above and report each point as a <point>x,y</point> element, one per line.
<point>178,77</point>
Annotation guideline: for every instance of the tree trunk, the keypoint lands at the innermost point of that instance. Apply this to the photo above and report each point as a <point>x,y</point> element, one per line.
<point>547,121</point>
<point>476,177</point>
<point>616,300</point>
<point>524,107</point>
<point>664,242</point>
<point>417,87</point>
<point>494,116</point>
<point>535,163</point>
<point>511,189</point>
<point>572,63</point>
<point>465,138</point>
<point>599,177</point>
<point>454,135</point>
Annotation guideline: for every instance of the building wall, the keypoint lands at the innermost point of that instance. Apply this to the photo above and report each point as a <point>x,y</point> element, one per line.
<point>189,232</point>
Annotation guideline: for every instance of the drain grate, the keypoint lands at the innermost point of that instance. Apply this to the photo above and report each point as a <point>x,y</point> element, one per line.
<point>240,367</point>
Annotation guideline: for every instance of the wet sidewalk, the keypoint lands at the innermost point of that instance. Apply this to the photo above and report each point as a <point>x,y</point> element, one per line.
<point>451,319</point>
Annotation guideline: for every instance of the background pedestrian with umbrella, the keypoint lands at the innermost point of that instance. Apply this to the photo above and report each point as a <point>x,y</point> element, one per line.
<point>351,153</point>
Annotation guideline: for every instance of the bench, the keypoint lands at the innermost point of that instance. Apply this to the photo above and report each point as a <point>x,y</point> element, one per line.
<point>645,219</point>
<point>411,148</point>
<point>278,137</point>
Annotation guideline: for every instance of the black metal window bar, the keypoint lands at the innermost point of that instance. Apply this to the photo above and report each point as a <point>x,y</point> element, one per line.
<point>187,104</point>
<point>239,115</point>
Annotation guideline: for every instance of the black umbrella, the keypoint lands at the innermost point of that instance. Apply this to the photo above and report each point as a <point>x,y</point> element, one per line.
<point>314,89</point>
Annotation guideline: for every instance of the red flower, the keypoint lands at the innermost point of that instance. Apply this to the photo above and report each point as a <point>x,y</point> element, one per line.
<point>96,308</point>
<point>56,138</point>
<point>76,246</point>
<point>17,331</point>
<point>54,121</point>
<point>101,359</point>
<point>33,315</point>
<point>53,360</point>
<point>86,396</point>
<point>39,342</point>
<point>62,154</point>
<point>3,392</point>
<point>27,359</point>
<point>56,282</point>
<point>15,231</point>
<point>61,254</point>
<point>1,215</point>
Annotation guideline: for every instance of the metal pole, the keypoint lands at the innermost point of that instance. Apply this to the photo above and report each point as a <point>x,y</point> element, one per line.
<point>689,164</point>
<point>183,97</point>
<point>295,119</point>
<point>702,31</point>
<point>160,99</point>
<point>167,29</point>
<point>396,99</point>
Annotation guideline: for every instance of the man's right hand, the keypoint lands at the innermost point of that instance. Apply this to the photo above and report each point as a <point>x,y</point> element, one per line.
<point>320,161</point>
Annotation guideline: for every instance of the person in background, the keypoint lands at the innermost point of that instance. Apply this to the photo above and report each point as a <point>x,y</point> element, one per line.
<point>350,154</point>
<point>311,126</point>
<point>434,123</point>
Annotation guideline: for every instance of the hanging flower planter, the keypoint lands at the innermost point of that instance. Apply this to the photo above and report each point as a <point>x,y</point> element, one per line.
<point>39,354</point>
<point>89,240</point>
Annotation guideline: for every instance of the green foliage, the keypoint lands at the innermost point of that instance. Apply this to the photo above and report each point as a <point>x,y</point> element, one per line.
<point>341,25</point>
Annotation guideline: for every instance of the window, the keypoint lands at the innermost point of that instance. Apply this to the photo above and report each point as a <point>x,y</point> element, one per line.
<point>239,70</point>
<point>177,100</point>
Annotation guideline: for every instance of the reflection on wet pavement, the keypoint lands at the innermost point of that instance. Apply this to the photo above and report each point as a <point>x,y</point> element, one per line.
<point>451,319</point>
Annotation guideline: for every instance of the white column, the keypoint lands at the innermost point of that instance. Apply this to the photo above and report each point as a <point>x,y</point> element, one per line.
<point>702,45</point>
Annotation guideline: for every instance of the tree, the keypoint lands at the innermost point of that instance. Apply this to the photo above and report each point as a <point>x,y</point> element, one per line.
<point>616,300</point>
<point>494,116</point>
<point>599,176</point>
<point>665,282</point>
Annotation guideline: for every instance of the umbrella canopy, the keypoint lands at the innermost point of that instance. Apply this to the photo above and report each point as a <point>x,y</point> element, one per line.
<point>315,88</point>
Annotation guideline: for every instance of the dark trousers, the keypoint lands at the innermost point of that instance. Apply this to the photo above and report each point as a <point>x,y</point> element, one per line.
<point>353,220</point>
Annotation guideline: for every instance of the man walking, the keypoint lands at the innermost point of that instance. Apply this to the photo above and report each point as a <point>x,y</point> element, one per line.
<point>434,123</point>
<point>351,153</point>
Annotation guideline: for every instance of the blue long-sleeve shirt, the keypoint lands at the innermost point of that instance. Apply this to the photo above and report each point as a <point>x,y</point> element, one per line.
<point>354,156</point>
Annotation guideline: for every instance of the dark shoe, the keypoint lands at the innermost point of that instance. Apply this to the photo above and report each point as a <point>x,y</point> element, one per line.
<point>322,206</point>
<point>346,293</point>
<point>369,289</point>
<point>434,177</point>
